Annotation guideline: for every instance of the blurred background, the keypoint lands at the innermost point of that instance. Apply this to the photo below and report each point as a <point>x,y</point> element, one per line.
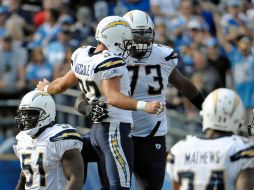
<point>214,39</point>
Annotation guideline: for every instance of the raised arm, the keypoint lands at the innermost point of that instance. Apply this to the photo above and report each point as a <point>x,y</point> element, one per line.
<point>58,85</point>
<point>187,88</point>
<point>73,168</point>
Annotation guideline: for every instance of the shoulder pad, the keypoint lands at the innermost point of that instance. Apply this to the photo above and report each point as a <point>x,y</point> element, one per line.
<point>172,55</point>
<point>168,52</point>
<point>245,153</point>
<point>109,63</point>
<point>74,55</point>
<point>68,133</point>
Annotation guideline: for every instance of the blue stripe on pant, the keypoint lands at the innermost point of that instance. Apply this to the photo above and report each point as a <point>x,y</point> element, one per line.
<point>114,147</point>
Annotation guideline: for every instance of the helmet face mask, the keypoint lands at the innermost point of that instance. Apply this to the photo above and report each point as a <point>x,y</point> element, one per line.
<point>142,43</point>
<point>28,118</point>
<point>142,33</point>
<point>126,49</point>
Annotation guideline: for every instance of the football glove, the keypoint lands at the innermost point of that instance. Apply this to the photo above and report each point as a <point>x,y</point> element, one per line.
<point>96,111</point>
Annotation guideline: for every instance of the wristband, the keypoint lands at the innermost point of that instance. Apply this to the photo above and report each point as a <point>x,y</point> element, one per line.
<point>197,100</point>
<point>46,88</point>
<point>141,105</point>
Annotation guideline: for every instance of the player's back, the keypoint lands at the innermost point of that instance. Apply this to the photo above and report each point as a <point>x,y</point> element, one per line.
<point>91,68</point>
<point>149,81</point>
<point>202,164</point>
<point>40,157</point>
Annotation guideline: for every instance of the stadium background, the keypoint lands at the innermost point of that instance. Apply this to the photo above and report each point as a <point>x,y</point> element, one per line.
<point>37,37</point>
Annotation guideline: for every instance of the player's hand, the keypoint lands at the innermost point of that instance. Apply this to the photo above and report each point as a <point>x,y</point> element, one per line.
<point>154,107</point>
<point>96,111</point>
<point>41,84</point>
<point>99,111</point>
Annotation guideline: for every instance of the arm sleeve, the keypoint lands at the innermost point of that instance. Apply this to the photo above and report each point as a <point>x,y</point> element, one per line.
<point>63,145</point>
<point>243,157</point>
<point>112,67</point>
<point>73,59</point>
<point>170,57</point>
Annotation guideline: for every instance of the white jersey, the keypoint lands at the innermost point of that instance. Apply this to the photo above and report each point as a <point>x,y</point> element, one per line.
<point>199,163</point>
<point>91,68</point>
<point>149,80</point>
<point>40,158</point>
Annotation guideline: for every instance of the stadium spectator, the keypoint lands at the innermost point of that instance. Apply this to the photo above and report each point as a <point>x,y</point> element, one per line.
<point>235,22</point>
<point>54,52</point>
<point>39,17</point>
<point>164,10</point>
<point>178,25</point>
<point>217,59</point>
<point>12,67</point>
<point>38,68</point>
<point>241,57</point>
<point>142,5</point>
<point>83,29</point>
<point>48,31</point>
<point>161,35</point>
<point>197,34</point>
<point>3,16</point>
<point>209,74</point>
<point>100,10</point>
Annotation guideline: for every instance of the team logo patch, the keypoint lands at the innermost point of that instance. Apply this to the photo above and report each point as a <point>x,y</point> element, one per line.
<point>158,146</point>
<point>40,94</point>
<point>116,23</point>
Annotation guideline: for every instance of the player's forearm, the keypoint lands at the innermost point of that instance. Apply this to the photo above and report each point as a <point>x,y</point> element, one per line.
<point>187,88</point>
<point>57,86</point>
<point>74,184</point>
<point>121,101</point>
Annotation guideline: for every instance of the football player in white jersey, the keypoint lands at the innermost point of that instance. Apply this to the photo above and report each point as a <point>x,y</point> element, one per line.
<point>49,153</point>
<point>103,76</point>
<point>150,68</point>
<point>219,160</point>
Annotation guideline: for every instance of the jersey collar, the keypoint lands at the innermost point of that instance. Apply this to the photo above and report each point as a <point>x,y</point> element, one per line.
<point>40,131</point>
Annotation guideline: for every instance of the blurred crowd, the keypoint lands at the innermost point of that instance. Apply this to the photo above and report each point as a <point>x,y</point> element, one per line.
<point>213,38</point>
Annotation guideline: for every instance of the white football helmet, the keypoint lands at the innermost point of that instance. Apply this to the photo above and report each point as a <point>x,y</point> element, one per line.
<point>142,32</point>
<point>223,110</point>
<point>36,110</point>
<point>115,33</point>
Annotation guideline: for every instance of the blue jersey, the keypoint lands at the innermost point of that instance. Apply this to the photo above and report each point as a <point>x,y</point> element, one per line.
<point>243,69</point>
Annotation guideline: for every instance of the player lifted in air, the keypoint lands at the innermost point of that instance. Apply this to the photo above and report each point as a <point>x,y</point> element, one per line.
<point>49,153</point>
<point>219,160</point>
